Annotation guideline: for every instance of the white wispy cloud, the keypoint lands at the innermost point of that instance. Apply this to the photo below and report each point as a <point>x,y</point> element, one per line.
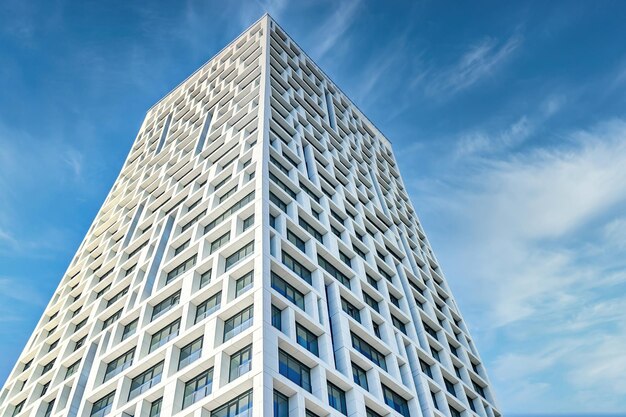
<point>30,167</point>
<point>480,60</point>
<point>17,290</point>
<point>334,28</point>
<point>482,141</point>
<point>615,232</point>
<point>74,159</point>
<point>479,141</point>
<point>537,248</point>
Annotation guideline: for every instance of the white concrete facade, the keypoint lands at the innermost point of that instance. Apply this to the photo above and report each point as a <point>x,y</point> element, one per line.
<point>258,208</point>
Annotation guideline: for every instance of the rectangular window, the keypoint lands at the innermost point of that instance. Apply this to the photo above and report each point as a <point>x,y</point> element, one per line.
<point>360,376</point>
<point>281,405</point>
<point>117,296</point>
<point>198,388</point>
<point>239,255</point>
<point>472,404</point>
<point>190,353</point>
<point>310,193</point>
<point>307,339</point>
<point>238,323</point>
<point>294,370</point>
<point>454,412</point>
<point>296,267</point>
<point>205,278</point>
<point>376,328</point>
<point>155,408</point>
<point>435,402</point>
<point>102,291</point>
<point>222,182</point>
<point>164,335</point>
<point>370,301</point>
<point>239,204</point>
<point>337,398</point>
<point>79,343</point>
<point>282,186</point>
<point>345,258</point>
<point>394,300</point>
<point>398,324</point>
<point>49,408</point>
<point>351,310</point>
<point>130,329</point>
<point>277,317</point>
<point>240,363</point>
<point>130,270</point>
<point>334,272</point>
<point>287,290</point>
<point>435,353</point>
<point>53,345</point>
<point>454,349</point>
<point>80,325</point>
<point>395,401</point>
<point>240,406</point>
<point>311,230</point>
<point>479,389</point>
<point>112,319</point>
<point>359,252</point>
<point>386,275</point>
<point>165,305</point>
<point>195,203</point>
<point>372,281</point>
<point>449,387</point>
<point>247,223</point>
<point>426,368</point>
<point>298,243</point>
<point>18,408</point>
<point>137,250</point>
<point>146,380</point>
<point>280,166</point>
<point>71,370</point>
<point>47,367</point>
<point>243,284</point>
<point>219,242</point>
<point>279,203</point>
<point>206,308</point>
<point>193,221</point>
<point>229,193</point>
<point>182,247</point>
<point>368,351</point>
<point>118,364</point>
<point>176,272</point>
<point>103,406</point>
<point>371,413</point>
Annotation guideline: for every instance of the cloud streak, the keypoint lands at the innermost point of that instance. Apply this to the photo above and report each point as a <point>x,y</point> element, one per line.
<point>476,63</point>
<point>538,251</point>
<point>334,28</point>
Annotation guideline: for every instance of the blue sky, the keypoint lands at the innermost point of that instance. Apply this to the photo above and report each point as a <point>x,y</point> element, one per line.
<point>507,118</point>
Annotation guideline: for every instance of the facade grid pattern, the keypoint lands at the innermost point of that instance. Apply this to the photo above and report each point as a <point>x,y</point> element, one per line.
<point>257,255</point>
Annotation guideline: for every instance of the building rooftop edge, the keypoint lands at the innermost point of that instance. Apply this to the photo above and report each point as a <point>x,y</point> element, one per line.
<point>266,15</point>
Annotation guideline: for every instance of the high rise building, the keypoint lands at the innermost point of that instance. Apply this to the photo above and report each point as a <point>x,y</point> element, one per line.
<point>258,255</point>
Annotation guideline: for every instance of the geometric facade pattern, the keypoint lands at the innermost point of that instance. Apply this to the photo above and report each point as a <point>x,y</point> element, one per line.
<point>258,255</point>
